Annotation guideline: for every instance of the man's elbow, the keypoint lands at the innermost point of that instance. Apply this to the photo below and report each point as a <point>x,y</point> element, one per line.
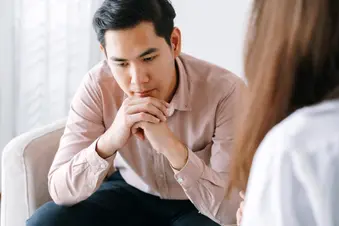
<point>60,196</point>
<point>62,199</point>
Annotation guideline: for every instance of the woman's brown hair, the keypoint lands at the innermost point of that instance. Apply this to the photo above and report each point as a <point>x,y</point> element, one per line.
<point>291,61</point>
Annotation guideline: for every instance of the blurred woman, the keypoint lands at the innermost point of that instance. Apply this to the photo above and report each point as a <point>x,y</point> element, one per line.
<point>286,155</point>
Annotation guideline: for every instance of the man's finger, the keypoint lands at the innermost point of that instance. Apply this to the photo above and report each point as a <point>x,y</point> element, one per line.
<point>149,108</point>
<point>140,134</point>
<point>143,99</point>
<point>136,127</point>
<point>242,194</point>
<point>160,104</point>
<point>141,117</point>
<point>138,131</point>
<point>239,216</point>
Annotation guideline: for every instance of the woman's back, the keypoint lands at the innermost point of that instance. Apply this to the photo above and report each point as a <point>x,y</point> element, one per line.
<point>294,178</point>
<point>291,62</point>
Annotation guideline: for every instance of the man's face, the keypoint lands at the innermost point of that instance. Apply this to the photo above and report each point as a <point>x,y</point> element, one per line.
<point>142,63</point>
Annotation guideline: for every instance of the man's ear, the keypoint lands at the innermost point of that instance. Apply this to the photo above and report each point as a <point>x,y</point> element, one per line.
<point>176,41</point>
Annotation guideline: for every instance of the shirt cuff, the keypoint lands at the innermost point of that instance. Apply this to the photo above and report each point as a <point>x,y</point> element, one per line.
<point>97,163</point>
<point>191,172</point>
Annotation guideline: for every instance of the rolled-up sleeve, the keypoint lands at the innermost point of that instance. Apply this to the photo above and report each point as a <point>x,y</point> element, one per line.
<point>205,183</point>
<point>77,170</point>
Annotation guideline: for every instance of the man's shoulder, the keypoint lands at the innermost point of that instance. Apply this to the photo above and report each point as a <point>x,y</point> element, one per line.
<point>211,76</point>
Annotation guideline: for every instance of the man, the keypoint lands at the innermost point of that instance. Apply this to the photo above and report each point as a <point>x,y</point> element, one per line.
<point>149,131</point>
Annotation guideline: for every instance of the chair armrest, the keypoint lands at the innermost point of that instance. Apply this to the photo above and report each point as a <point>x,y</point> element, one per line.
<point>26,161</point>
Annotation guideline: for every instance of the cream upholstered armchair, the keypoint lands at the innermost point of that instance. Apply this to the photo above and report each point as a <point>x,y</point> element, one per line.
<point>25,164</point>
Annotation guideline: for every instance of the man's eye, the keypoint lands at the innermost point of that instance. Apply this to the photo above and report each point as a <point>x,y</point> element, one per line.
<point>122,64</point>
<point>148,59</point>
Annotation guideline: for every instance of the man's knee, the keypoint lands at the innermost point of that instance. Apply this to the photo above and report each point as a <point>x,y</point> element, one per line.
<point>49,214</point>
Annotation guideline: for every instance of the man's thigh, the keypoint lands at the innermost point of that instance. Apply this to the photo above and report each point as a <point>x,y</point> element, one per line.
<point>193,218</point>
<point>115,203</point>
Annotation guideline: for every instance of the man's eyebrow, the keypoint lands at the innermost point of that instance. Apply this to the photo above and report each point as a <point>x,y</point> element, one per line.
<point>149,51</point>
<point>118,59</point>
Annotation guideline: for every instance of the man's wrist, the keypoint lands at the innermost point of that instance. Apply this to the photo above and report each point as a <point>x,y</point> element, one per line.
<point>177,154</point>
<point>105,148</point>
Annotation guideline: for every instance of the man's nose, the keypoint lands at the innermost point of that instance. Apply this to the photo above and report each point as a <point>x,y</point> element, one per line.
<point>138,75</point>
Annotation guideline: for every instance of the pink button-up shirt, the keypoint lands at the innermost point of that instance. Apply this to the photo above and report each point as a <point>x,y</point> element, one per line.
<point>202,119</point>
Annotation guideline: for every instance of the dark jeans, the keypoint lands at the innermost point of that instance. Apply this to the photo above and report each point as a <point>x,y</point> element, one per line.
<point>118,204</point>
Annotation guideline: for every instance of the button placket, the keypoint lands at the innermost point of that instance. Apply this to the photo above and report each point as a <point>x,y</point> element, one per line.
<point>164,180</point>
<point>160,175</point>
<point>156,170</point>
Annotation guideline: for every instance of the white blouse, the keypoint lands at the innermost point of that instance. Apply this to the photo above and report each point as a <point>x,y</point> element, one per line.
<point>294,180</point>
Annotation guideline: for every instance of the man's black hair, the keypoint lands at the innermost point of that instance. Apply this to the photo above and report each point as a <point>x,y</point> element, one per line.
<point>124,14</point>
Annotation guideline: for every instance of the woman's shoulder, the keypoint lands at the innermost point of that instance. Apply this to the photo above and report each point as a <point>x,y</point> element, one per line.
<point>309,127</point>
<point>311,130</point>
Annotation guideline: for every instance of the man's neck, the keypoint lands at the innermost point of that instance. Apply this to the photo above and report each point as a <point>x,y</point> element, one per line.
<point>175,83</point>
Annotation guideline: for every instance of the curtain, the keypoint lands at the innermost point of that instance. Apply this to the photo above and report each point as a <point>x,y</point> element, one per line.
<point>46,47</point>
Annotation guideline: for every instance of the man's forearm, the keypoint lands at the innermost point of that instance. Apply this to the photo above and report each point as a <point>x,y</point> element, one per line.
<point>78,178</point>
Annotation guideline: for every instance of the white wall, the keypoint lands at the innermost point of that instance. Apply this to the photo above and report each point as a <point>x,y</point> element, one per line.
<point>214,30</point>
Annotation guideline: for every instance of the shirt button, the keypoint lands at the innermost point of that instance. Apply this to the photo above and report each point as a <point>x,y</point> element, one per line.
<point>162,176</point>
<point>180,180</point>
<point>102,166</point>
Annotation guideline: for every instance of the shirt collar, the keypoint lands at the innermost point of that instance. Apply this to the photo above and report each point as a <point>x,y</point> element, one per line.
<point>181,99</point>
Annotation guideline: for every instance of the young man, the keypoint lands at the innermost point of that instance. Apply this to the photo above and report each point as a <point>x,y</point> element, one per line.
<point>149,131</point>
